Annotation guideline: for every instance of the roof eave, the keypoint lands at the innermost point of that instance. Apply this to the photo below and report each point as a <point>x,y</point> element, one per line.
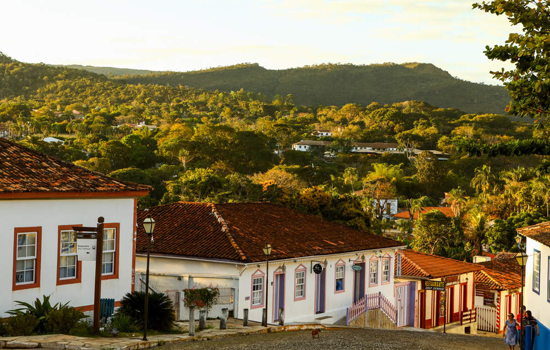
<point>61,195</point>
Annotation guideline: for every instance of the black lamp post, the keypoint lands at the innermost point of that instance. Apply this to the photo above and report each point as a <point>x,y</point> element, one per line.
<point>267,252</point>
<point>521,258</point>
<point>149,227</point>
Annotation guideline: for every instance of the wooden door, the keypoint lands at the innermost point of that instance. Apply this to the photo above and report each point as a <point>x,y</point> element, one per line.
<point>401,297</point>
<point>422,309</point>
<point>450,304</point>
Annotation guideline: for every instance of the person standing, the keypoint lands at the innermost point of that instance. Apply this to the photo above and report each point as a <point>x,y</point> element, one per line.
<point>510,332</point>
<point>529,320</point>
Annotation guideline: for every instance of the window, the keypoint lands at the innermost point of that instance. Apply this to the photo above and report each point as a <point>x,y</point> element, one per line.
<point>386,262</point>
<point>257,291</point>
<point>300,291</point>
<point>340,275</point>
<point>26,257</point>
<point>25,267</point>
<point>398,267</point>
<point>374,272</point>
<point>67,255</point>
<point>536,271</point>
<point>109,251</point>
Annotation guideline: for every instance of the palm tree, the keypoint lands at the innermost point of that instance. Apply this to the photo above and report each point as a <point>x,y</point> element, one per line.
<point>456,200</point>
<point>350,176</point>
<point>540,189</point>
<point>484,180</point>
<point>477,228</point>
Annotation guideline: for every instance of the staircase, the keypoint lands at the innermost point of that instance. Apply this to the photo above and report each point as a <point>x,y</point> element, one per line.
<point>374,311</point>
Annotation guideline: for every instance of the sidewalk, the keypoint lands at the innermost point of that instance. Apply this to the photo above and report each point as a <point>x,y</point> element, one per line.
<point>61,341</point>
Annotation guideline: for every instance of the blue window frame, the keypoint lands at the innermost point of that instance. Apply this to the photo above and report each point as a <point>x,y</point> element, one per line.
<point>536,271</point>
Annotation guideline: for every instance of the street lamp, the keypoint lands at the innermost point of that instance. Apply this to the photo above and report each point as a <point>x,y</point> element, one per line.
<point>149,227</point>
<point>521,258</point>
<point>267,252</point>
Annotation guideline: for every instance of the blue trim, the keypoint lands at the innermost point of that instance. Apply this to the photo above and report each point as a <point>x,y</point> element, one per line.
<point>548,282</point>
<point>535,252</point>
<point>542,341</point>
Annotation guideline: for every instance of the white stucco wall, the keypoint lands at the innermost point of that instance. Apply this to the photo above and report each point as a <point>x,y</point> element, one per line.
<point>49,214</point>
<point>304,310</point>
<point>537,303</point>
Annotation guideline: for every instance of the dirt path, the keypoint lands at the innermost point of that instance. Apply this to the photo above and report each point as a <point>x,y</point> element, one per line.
<point>349,339</point>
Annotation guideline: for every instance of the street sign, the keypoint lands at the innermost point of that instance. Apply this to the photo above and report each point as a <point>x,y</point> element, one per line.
<point>356,267</point>
<point>434,285</point>
<point>86,248</point>
<point>317,268</point>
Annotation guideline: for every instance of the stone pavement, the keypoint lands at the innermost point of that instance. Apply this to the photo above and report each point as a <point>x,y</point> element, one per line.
<point>60,341</point>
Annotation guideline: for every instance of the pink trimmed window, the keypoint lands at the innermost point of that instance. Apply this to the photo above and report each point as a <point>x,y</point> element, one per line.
<point>258,288</point>
<point>300,283</point>
<point>386,270</point>
<point>340,277</point>
<point>373,272</point>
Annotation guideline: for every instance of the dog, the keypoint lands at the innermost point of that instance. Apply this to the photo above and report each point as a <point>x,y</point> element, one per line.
<point>315,332</point>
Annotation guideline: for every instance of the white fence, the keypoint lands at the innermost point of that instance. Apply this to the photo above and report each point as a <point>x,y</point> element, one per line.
<point>486,319</point>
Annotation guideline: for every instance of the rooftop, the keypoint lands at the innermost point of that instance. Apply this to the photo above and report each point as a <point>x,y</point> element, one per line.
<point>448,211</point>
<point>539,232</point>
<point>497,280</point>
<point>416,264</point>
<point>25,173</point>
<point>238,231</point>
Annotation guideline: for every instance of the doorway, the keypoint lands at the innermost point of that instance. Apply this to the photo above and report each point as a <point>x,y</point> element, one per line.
<point>279,295</point>
<point>402,301</point>
<point>422,308</point>
<point>320,294</point>
<point>464,296</point>
<point>451,304</point>
<point>359,283</point>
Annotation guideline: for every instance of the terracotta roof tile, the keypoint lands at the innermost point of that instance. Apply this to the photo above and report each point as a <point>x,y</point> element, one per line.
<point>495,280</point>
<point>504,265</point>
<point>23,170</point>
<point>405,214</point>
<point>418,264</point>
<point>539,232</point>
<point>238,231</point>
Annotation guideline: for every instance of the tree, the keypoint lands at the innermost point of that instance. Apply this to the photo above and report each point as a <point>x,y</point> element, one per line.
<point>541,190</point>
<point>432,233</point>
<point>196,185</point>
<point>476,228</point>
<point>429,173</point>
<point>350,177</point>
<point>484,180</point>
<point>529,81</point>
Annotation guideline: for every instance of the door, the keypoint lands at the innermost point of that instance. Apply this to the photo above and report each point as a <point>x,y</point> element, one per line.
<point>412,303</point>
<point>422,308</point>
<point>464,296</point>
<point>508,304</point>
<point>359,283</point>
<point>320,295</point>
<point>401,297</point>
<point>450,304</point>
<point>440,308</point>
<point>279,295</point>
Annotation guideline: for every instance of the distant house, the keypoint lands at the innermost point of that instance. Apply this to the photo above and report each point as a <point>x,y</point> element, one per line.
<point>373,147</point>
<point>201,244</point>
<point>419,307</point>
<point>143,125</point>
<point>385,207</point>
<point>41,199</point>
<point>406,216</point>
<point>4,130</point>
<point>321,133</point>
<point>537,278</point>
<point>53,140</point>
<point>310,145</point>
<point>497,292</point>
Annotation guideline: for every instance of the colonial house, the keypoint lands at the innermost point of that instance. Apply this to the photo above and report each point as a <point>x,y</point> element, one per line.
<point>310,145</point>
<point>537,278</point>
<point>41,199</point>
<point>418,305</point>
<point>498,288</point>
<point>317,269</point>
<point>322,133</point>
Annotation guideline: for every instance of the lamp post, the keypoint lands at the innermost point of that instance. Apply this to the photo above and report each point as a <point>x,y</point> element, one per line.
<point>267,252</point>
<point>149,227</point>
<point>521,258</point>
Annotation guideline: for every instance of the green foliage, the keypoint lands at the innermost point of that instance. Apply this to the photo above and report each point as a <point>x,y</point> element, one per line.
<point>63,320</point>
<point>160,314</point>
<point>39,310</point>
<point>22,324</point>
<point>124,323</point>
<point>203,298</point>
<point>438,234</point>
<point>501,236</point>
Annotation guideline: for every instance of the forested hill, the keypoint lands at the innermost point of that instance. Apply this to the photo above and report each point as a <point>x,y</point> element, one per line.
<point>332,84</point>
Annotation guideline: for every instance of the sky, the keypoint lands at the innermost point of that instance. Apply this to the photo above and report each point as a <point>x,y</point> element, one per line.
<point>183,35</point>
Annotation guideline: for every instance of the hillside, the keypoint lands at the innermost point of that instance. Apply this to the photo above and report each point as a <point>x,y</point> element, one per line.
<point>333,84</point>
<point>109,71</point>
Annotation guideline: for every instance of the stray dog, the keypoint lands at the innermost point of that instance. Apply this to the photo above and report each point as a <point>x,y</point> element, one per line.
<point>315,332</point>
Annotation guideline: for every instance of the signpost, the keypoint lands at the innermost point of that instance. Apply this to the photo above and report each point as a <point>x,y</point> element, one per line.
<point>85,247</point>
<point>440,287</point>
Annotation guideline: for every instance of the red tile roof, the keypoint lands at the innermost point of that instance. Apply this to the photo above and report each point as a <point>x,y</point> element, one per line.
<point>496,280</point>
<point>539,232</point>
<point>405,214</point>
<point>416,264</point>
<point>238,231</point>
<point>25,173</point>
<point>504,265</point>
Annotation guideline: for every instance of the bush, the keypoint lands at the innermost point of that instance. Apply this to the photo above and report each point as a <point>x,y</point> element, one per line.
<point>39,310</point>
<point>201,297</point>
<point>82,329</point>
<point>161,310</point>
<point>22,324</point>
<point>63,320</point>
<point>3,328</point>
<point>123,323</point>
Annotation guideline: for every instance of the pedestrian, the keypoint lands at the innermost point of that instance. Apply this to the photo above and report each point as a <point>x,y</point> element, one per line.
<point>531,321</point>
<point>510,332</point>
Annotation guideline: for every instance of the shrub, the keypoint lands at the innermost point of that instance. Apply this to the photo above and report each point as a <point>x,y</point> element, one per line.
<point>63,320</point>
<point>22,324</point>
<point>3,328</point>
<point>161,310</point>
<point>40,310</point>
<point>82,329</point>
<point>201,297</point>
<point>123,323</point>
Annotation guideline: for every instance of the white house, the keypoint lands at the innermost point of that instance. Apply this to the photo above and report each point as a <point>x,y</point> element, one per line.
<point>537,278</point>
<point>53,140</point>
<point>309,145</point>
<point>322,133</point>
<point>199,244</point>
<point>41,198</point>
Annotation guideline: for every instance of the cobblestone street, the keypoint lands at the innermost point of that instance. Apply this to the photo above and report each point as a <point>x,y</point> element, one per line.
<point>349,339</point>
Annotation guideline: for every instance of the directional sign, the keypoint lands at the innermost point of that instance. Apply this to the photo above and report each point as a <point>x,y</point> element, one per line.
<point>434,285</point>
<point>317,268</point>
